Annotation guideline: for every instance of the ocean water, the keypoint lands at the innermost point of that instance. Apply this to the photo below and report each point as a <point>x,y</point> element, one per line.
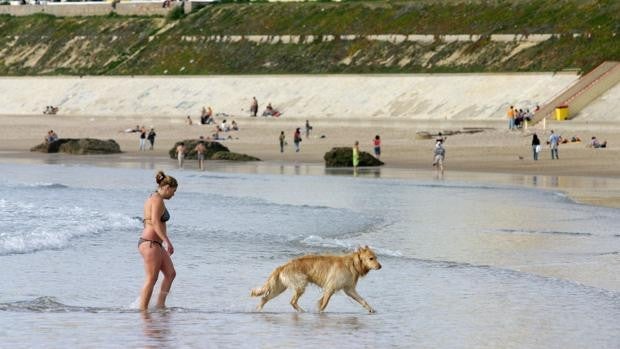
<point>464,265</point>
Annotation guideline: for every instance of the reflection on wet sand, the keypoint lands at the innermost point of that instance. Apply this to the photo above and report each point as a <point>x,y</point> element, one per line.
<point>590,190</point>
<point>156,328</point>
<point>315,321</point>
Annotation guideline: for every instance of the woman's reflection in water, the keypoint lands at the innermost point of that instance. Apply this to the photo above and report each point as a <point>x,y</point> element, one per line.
<point>156,328</point>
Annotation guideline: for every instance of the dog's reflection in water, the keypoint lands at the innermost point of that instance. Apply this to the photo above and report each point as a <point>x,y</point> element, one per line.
<point>333,321</point>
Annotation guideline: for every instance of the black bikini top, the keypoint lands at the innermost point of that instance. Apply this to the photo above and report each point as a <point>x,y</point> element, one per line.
<point>166,216</point>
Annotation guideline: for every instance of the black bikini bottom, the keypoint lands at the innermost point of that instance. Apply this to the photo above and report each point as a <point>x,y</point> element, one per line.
<point>141,240</point>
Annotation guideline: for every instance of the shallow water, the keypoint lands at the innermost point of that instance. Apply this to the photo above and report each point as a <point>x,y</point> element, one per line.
<point>464,265</point>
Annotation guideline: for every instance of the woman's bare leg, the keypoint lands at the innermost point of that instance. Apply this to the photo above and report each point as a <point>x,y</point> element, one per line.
<point>167,268</point>
<point>152,256</point>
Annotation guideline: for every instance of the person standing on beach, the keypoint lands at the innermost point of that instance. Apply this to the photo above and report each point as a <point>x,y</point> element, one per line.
<point>151,243</point>
<point>376,143</point>
<point>308,128</point>
<point>511,117</point>
<point>297,139</point>
<point>200,154</point>
<point>439,157</point>
<point>535,146</point>
<point>282,138</point>
<point>554,142</point>
<point>181,153</point>
<point>142,138</point>
<point>254,106</point>
<point>356,156</point>
<point>151,137</point>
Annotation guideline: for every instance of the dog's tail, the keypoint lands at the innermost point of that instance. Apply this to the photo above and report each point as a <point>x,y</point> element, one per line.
<point>270,285</point>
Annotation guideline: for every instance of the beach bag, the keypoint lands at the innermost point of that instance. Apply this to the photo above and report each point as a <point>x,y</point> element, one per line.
<point>538,148</point>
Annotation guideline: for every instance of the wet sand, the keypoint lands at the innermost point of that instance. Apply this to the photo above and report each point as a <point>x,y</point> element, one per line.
<point>494,155</point>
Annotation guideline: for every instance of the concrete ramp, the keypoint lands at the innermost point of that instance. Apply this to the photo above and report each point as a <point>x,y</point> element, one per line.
<point>419,96</point>
<point>583,91</point>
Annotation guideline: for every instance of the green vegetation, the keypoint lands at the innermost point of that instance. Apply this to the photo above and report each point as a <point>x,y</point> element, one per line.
<point>179,44</point>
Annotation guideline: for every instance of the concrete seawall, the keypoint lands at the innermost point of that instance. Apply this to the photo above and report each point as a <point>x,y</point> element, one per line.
<point>435,96</point>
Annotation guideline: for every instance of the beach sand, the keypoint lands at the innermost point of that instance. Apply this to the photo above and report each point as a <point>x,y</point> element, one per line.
<point>587,175</point>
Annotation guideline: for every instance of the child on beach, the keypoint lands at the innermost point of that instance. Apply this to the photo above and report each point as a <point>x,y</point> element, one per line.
<point>181,153</point>
<point>356,155</point>
<point>377,146</point>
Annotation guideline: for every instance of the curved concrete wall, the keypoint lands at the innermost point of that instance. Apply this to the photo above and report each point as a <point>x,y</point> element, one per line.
<point>436,96</point>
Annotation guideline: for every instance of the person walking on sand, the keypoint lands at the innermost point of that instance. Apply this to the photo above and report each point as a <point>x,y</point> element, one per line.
<point>254,106</point>
<point>356,155</point>
<point>154,237</point>
<point>376,143</point>
<point>535,146</point>
<point>282,140</point>
<point>142,138</point>
<point>200,155</point>
<point>181,153</point>
<point>297,139</point>
<point>151,138</point>
<point>308,128</point>
<point>439,157</point>
<point>554,142</point>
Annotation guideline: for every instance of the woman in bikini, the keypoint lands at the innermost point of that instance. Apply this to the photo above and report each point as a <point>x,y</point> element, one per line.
<point>151,243</point>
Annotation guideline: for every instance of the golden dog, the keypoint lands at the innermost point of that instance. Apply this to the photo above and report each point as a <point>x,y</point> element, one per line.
<point>332,273</point>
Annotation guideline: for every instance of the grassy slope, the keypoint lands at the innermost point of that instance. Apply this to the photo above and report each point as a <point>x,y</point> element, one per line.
<point>120,45</point>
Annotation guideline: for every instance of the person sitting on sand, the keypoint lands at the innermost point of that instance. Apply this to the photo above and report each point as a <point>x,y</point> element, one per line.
<point>131,130</point>
<point>234,125</point>
<point>595,143</point>
<point>189,121</point>
<point>216,134</point>
<point>206,116</point>
<point>225,126</point>
<point>50,137</point>
<point>50,110</point>
<point>270,111</point>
